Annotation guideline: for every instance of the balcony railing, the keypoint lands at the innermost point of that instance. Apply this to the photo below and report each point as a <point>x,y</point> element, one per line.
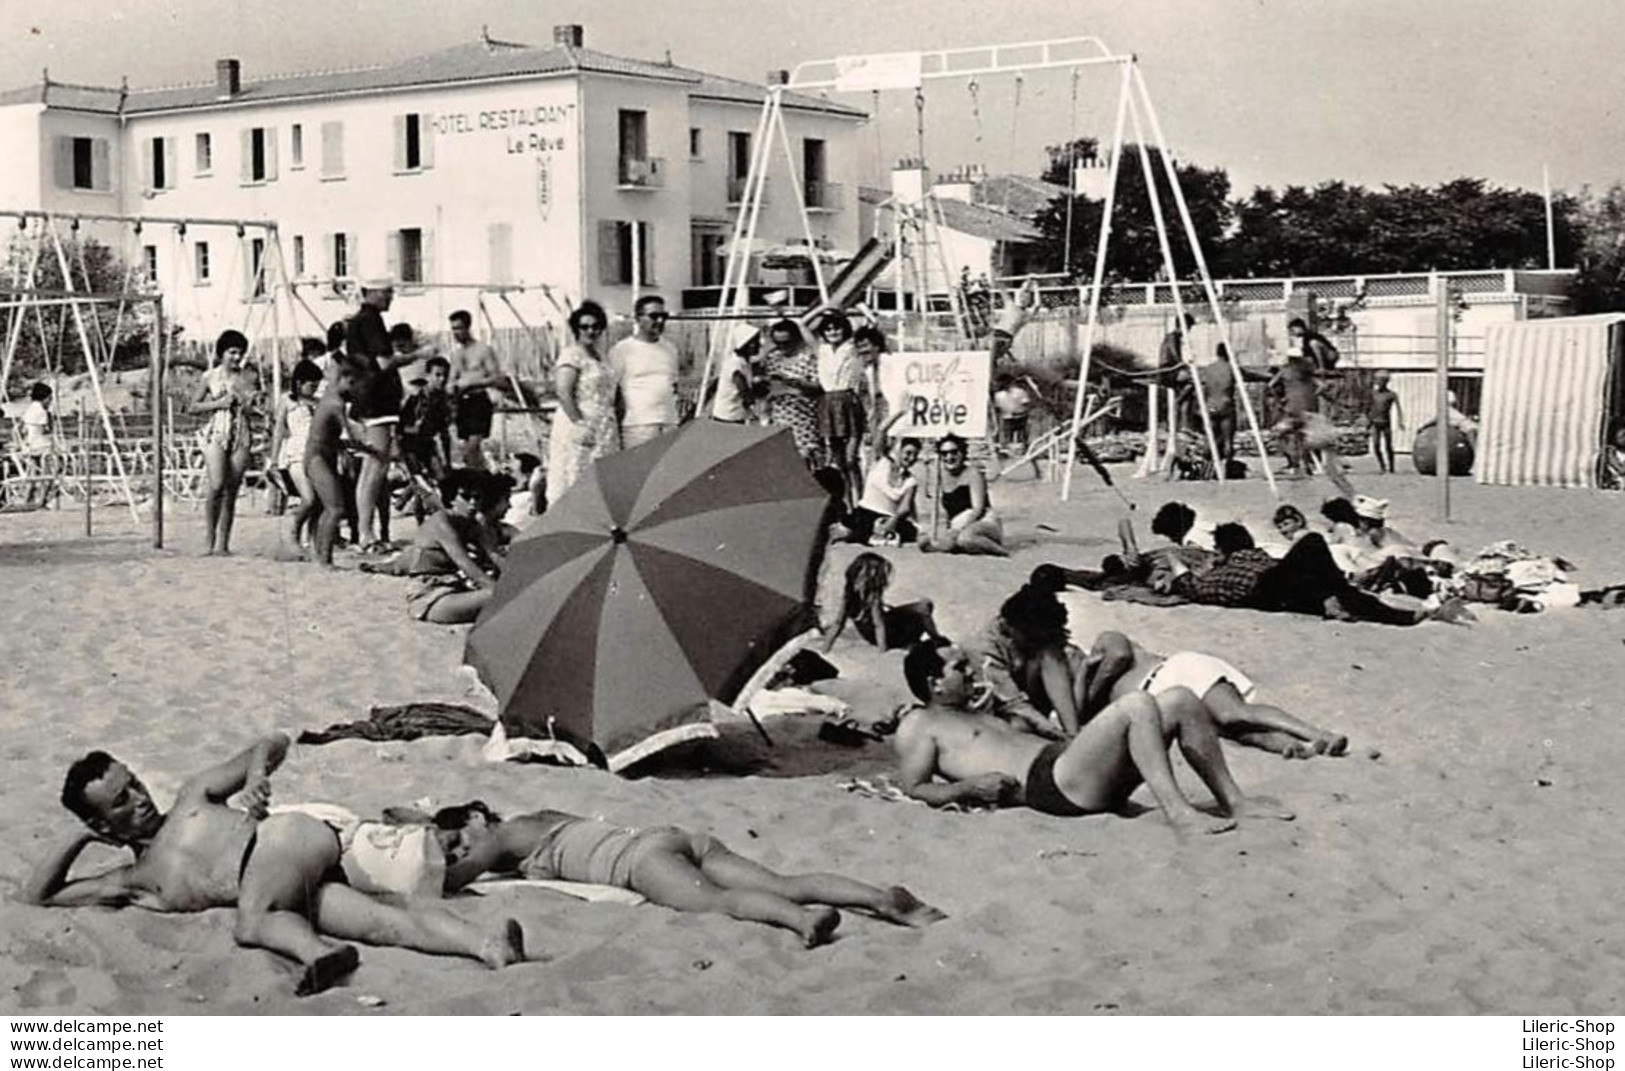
<point>641,173</point>
<point>825,197</point>
<point>736,191</point>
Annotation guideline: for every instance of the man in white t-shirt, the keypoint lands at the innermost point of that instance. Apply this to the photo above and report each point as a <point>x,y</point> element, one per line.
<point>645,367</point>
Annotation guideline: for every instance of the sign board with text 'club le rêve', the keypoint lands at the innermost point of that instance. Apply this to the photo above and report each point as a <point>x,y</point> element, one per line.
<point>947,392</point>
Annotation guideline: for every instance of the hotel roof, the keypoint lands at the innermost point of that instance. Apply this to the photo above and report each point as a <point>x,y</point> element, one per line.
<point>477,61</point>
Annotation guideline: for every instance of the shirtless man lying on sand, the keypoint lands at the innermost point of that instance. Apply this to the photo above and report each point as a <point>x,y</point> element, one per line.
<point>672,867</point>
<point>983,760</point>
<point>275,870</point>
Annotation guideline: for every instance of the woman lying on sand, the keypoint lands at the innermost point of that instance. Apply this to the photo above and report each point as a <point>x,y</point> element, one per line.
<point>456,555</point>
<point>672,867</point>
<point>890,628</point>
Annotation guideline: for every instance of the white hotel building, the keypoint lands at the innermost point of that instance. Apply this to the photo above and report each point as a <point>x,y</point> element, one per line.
<point>486,163</point>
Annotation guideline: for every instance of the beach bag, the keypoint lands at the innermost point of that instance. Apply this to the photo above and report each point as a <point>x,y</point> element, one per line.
<point>1485,587</point>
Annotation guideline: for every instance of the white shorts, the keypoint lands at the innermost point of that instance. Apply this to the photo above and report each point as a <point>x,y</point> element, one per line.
<point>1198,672</point>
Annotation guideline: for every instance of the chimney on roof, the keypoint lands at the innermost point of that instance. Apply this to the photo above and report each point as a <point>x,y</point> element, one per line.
<point>780,77</point>
<point>568,35</point>
<point>228,78</point>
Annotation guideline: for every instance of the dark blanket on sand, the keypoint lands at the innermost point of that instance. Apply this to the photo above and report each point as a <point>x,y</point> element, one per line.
<point>409,721</point>
<point>1141,594</point>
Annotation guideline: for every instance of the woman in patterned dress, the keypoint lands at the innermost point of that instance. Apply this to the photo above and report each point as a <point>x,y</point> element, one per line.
<point>792,401</point>
<point>584,426</point>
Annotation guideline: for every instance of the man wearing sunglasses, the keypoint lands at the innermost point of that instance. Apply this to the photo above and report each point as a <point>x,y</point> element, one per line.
<point>645,367</point>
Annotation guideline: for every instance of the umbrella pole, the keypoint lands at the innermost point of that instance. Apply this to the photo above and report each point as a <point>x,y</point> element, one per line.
<point>754,720</point>
<point>936,497</point>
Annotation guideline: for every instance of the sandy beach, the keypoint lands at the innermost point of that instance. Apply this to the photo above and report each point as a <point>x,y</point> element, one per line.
<point>1469,867</point>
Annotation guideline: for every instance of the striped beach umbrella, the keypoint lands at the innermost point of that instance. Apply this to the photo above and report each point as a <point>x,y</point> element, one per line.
<point>661,580</point>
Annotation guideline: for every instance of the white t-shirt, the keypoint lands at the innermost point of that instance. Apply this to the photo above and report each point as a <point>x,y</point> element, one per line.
<point>881,491</point>
<point>728,404</point>
<point>647,372</point>
<point>36,421</point>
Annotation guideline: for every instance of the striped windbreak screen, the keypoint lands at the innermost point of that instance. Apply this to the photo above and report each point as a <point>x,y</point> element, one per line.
<point>1546,390</point>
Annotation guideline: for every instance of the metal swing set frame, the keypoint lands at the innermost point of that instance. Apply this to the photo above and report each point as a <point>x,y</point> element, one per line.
<point>910,71</point>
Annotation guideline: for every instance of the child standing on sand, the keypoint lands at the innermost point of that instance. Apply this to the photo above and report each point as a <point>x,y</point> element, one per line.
<point>1385,415</point>
<point>288,440</point>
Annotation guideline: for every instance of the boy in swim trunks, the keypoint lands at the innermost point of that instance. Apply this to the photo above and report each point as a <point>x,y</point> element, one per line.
<point>983,761</point>
<point>276,871</point>
<point>670,866</point>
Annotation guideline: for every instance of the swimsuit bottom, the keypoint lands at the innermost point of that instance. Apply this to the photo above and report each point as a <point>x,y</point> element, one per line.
<point>1043,794</point>
<point>594,851</point>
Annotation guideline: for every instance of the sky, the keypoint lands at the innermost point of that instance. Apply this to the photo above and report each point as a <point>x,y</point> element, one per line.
<point>1277,92</point>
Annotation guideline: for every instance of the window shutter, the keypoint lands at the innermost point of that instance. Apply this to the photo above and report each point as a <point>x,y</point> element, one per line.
<point>425,141</point>
<point>64,163</point>
<point>499,238</point>
<point>426,257</point>
<point>329,258</point>
<point>270,154</point>
<point>101,165</point>
<point>609,253</point>
<point>649,255</point>
<point>247,170</point>
<point>149,172</point>
<point>172,171</point>
<point>400,143</point>
<point>392,244</point>
<point>332,149</point>
<point>352,246</point>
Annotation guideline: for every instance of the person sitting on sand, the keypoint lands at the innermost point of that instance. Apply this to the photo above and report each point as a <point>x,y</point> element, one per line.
<point>1096,771</point>
<point>273,870</point>
<point>885,511</point>
<point>455,555</point>
<point>973,526</point>
<point>1034,671</point>
<point>670,866</point>
<point>890,628</point>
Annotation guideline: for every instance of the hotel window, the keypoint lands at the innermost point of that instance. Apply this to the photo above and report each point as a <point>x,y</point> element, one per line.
<point>200,264</point>
<point>696,142</point>
<point>623,246</point>
<point>296,146</point>
<point>414,142</point>
<point>499,237</point>
<point>333,150</point>
<point>259,155</point>
<point>298,255</point>
<point>738,164</point>
<point>342,257</point>
<point>84,164</point>
<point>203,154</point>
<point>149,261</point>
<point>256,268</point>
<point>161,168</point>
<point>409,255</point>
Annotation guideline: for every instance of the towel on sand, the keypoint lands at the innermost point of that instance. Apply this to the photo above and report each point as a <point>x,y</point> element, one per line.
<point>885,789</point>
<point>409,721</point>
<point>581,890</point>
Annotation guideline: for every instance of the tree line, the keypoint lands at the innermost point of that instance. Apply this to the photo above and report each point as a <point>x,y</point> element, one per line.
<point>1334,228</point>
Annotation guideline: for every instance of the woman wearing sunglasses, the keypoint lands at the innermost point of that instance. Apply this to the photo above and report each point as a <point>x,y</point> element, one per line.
<point>973,526</point>
<point>584,426</point>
